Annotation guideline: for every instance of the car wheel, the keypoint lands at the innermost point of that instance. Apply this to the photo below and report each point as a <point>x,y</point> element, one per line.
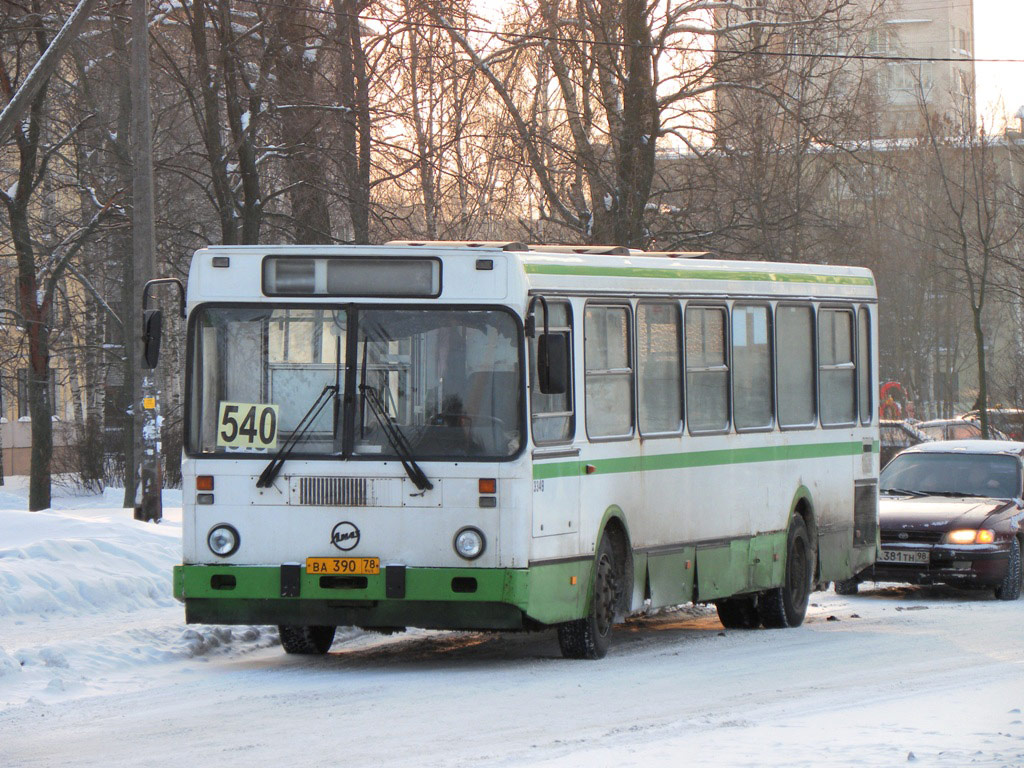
<point>1009,589</point>
<point>738,612</point>
<point>589,638</point>
<point>847,586</point>
<point>786,606</point>
<point>306,641</point>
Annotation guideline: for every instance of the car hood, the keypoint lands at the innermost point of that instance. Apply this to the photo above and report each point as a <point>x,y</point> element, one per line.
<point>936,513</point>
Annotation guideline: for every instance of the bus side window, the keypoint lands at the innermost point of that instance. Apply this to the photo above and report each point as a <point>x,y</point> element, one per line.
<point>752,366</point>
<point>552,417</point>
<point>867,407</point>
<point>609,371</point>
<point>794,364</point>
<point>836,373</point>
<point>659,368</point>
<point>707,370</point>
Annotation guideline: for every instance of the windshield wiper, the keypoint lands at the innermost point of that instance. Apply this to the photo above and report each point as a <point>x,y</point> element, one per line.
<point>904,492</point>
<point>274,467</point>
<point>396,438</point>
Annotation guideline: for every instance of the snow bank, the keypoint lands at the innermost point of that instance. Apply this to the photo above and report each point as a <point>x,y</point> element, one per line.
<point>85,592</point>
<point>56,564</point>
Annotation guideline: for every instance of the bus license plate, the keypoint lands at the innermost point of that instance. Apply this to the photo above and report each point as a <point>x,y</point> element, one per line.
<point>343,566</point>
<point>903,556</point>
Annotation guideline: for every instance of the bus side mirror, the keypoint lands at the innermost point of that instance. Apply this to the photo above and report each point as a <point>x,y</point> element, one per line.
<point>152,326</point>
<point>553,363</point>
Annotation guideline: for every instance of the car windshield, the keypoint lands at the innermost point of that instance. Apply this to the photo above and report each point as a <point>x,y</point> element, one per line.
<point>953,474</point>
<point>447,379</point>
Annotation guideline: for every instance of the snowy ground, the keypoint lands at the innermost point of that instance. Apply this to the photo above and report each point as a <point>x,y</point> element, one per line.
<point>98,669</point>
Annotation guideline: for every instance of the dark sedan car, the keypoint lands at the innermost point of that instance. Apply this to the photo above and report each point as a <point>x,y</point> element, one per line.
<point>951,512</point>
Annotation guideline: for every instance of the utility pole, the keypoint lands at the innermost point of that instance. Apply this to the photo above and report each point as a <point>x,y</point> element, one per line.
<point>145,496</point>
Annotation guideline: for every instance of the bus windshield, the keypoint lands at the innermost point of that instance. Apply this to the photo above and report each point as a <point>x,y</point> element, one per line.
<point>448,380</point>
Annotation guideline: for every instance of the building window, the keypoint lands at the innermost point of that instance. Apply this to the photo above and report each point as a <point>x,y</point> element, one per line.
<point>23,409</point>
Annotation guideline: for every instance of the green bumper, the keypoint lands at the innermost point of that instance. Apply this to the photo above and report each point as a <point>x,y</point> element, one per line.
<point>433,598</point>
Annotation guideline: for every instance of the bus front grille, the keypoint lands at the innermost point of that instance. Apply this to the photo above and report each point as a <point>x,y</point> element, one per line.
<point>336,492</point>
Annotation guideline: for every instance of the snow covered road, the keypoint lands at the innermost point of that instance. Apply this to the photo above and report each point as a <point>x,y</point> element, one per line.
<point>97,669</point>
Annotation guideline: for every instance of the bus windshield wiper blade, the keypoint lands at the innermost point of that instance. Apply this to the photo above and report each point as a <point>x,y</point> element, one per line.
<point>274,467</point>
<point>396,438</point>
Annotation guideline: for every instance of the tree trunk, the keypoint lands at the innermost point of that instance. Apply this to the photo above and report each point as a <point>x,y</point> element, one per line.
<point>300,127</point>
<point>353,92</point>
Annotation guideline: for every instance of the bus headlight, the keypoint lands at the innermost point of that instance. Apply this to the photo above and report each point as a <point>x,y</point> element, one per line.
<point>469,543</point>
<point>223,540</point>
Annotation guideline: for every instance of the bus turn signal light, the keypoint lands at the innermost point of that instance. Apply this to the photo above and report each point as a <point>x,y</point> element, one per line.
<point>488,485</point>
<point>204,483</point>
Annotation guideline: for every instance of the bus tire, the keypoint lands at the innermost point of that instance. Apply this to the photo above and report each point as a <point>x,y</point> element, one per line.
<point>306,641</point>
<point>847,586</point>
<point>1009,588</point>
<point>738,612</point>
<point>589,638</point>
<point>786,606</point>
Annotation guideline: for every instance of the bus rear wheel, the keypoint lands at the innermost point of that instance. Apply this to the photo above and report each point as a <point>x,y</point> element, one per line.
<point>786,606</point>
<point>847,586</point>
<point>738,612</point>
<point>589,638</point>
<point>306,641</point>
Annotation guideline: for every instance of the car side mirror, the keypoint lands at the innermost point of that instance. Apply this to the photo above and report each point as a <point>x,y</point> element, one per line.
<point>152,329</point>
<point>553,363</point>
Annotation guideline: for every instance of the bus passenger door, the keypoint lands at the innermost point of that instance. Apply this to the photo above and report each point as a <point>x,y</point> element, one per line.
<point>556,492</point>
<point>556,460</point>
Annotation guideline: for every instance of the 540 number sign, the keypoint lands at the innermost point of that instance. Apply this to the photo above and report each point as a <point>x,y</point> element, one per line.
<point>247,425</point>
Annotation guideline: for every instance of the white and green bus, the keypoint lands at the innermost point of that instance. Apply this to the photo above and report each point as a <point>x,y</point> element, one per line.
<point>495,436</point>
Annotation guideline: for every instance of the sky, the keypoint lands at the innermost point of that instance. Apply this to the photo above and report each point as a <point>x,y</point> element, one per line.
<point>999,34</point>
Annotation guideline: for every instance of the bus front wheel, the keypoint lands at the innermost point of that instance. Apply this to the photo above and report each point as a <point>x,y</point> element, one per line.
<point>307,641</point>
<point>786,606</point>
<point>589,638</point>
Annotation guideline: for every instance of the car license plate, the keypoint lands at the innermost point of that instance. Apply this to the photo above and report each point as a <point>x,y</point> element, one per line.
<point>343,566</point>
<point>913,557</point>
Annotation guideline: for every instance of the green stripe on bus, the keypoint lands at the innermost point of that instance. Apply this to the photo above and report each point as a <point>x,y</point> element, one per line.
<point>725,456</point>
<point>695,274</point>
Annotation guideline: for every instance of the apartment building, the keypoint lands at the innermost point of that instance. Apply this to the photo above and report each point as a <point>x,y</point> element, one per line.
<point>938,37</point>
<point>924,51</point>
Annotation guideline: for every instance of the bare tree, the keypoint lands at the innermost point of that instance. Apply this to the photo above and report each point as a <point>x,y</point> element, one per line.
<point>44,242</point>
<point>975,216</point>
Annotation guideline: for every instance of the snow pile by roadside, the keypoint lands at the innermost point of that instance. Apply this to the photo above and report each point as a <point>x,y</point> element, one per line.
<point>85,593</point>
<point>59,564</point>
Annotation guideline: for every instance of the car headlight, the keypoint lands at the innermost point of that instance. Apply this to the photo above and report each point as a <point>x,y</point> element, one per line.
<point>971,536</point>
<point>469,543</point>
<point>223,540</point>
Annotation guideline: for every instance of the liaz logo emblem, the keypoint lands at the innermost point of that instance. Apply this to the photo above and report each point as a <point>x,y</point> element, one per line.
<point>345,536</point>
